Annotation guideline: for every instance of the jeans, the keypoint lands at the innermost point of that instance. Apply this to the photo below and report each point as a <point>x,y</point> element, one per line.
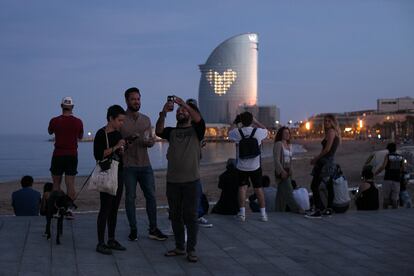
<point>145,177</point>
<point>200,210</point>
<point>405,199</point>
<point>182,201</point>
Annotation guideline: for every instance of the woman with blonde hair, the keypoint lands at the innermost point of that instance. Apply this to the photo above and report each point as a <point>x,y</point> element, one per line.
<point>282,156</point>
<point>324,166</point>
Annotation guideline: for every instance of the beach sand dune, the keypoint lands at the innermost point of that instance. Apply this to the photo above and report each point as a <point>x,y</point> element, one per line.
<point>351,155</point>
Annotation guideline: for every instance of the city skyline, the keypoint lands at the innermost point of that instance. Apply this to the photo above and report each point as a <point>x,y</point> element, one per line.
<point>315,56</point>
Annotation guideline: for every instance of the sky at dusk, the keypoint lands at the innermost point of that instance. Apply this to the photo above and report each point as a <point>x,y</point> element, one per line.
<point>314,56</point>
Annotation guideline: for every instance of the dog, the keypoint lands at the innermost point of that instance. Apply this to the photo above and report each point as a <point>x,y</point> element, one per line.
<point>57,205</point>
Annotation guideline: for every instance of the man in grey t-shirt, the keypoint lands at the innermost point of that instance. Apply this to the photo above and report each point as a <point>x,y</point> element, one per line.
<point>183,173</point>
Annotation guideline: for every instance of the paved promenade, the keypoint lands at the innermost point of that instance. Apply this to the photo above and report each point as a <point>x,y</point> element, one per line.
<point>357,243</point>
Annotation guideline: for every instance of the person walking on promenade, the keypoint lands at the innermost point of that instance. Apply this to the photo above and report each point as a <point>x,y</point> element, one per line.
<point>67,130</point>
<point>137,132</point>
<point>248,139</point>
<point>108,143</point>
<point>183,173</point>
<point>324,166</point>
<point>26,201</point>
<point>282,156</point>
<point>394,166</point>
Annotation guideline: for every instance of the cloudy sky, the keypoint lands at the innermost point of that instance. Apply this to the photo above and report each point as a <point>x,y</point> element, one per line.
<point>314,56</point>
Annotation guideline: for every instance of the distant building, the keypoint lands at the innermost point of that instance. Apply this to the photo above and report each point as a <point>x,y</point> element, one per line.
<point>269,115</point>
<point>395,105</point>
<point>228,81</point>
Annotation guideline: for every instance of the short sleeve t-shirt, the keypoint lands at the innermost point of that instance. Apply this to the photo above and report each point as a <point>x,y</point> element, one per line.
<point>67,130</point>
<point>184,151</point>
<point>251,164</point>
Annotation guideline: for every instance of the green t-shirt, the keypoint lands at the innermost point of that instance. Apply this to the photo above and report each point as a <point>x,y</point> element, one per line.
<point>184,152</point>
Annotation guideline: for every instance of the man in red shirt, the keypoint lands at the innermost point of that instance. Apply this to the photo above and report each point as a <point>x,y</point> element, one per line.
<point>67,129</point>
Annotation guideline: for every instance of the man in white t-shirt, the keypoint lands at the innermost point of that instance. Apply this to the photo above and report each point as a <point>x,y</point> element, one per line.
<point>248,159</point>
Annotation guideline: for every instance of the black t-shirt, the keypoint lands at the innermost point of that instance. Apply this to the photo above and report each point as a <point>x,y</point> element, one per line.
<point>393,170</point>
<point>99,144</point>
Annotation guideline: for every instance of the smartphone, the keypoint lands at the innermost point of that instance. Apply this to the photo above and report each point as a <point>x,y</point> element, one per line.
<point>170,99</point>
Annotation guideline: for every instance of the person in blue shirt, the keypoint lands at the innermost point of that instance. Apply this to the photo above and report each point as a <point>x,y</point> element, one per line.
<point>26,201</point>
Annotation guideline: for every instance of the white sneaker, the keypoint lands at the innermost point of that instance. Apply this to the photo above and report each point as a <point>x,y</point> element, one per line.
<point>263,218</point>
<point>203,222</point>
<point>241,217</point>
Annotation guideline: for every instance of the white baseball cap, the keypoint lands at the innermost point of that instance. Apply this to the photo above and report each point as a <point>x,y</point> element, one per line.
<point>67,101</point>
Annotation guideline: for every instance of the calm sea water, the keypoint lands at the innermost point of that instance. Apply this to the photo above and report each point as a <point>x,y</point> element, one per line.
<point>31,154</point>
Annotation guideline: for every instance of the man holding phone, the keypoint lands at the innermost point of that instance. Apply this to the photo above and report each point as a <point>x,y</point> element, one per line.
<point>183,172</point>
<point>137,167</point>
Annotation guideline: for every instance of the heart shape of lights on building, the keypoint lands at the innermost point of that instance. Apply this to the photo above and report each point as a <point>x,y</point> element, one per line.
<point>221,82</point>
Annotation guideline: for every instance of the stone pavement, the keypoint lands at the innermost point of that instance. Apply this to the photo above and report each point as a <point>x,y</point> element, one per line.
<point>356,243</point>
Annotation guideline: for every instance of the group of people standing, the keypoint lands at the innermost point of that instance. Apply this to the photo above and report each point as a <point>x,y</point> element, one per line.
<point>126,137</point>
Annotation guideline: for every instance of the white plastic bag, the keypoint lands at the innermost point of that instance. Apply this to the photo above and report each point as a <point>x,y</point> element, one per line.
<point>105,181</point>
<point>301,197</point>
<point>341,193</point>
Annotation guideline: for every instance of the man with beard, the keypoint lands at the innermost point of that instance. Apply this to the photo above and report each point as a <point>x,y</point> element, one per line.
<point>183,172</point>
<point>137,132</point>
<point>67,130</point>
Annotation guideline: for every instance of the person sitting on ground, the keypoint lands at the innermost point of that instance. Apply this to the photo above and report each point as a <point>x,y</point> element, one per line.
<point>47,189</point>
<point>26,201</point>
<point>269,194</point>
<point>393,165</point>
<point>228,203</point>
<point>367,196</point>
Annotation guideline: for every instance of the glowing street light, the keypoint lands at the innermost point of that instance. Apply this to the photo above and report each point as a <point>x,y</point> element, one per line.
<point>361,124</point>
<point>307,125</point>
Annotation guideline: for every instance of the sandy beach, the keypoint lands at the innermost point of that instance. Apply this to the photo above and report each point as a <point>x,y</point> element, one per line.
<point>351,155</point>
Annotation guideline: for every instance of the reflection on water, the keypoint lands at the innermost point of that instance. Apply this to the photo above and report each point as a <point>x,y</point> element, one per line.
<point>31,154</point>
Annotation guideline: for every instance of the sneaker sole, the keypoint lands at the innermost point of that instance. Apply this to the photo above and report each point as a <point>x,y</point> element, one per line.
<point>151,237</point>
<point>309,217</point>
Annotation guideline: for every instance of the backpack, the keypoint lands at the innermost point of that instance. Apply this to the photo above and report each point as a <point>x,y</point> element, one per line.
<point>248,146</point>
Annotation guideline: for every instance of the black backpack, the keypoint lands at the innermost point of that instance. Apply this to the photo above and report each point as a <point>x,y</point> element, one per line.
<point>248,146</point>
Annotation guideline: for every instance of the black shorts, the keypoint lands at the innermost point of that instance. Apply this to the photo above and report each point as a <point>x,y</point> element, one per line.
<point>64,165</point>
<point>254,176</point>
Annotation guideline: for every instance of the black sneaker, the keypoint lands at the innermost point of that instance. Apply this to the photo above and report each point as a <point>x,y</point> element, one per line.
<point>133,235</point>
<point>314,214</point>
<point>115,245</point>
<point>103,249</point>
<point>156,234</point>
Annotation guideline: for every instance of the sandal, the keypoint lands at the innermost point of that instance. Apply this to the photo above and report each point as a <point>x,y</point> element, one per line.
<point>174,252</point>
<point>192,257</point>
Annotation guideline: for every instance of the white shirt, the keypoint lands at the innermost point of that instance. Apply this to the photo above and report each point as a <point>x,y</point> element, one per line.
<point>251,164</point>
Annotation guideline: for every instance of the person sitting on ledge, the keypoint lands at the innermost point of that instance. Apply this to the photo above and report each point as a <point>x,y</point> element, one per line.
<point>228,204</point>
<point>367,196</point>
<point>26,201</point>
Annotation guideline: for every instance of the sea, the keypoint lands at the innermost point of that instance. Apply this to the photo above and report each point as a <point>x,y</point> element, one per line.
<point>31,155</point>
